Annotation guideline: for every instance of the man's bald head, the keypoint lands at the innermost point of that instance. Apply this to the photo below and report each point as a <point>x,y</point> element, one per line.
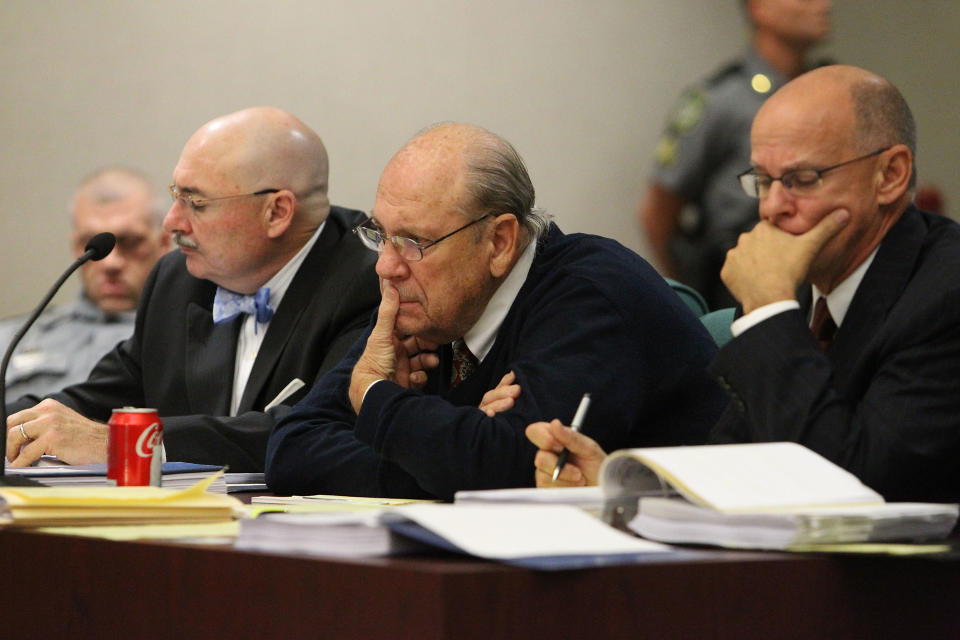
<point>250,191</point>
<point>433,162</point>
<point>867,109</point>
<point>452,178</point>
<point>266,148</point>
<point>485,172</point>
<point>854,131</point>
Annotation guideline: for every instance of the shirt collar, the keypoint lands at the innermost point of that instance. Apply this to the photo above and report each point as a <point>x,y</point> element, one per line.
<point>281,279</point>
<point>481,336</point>
<point>838,300</point>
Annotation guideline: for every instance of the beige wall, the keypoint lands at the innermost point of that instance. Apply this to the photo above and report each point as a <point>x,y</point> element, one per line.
<point>580,87</point>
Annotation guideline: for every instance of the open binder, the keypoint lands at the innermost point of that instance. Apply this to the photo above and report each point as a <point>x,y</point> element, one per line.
<point>763,495</point>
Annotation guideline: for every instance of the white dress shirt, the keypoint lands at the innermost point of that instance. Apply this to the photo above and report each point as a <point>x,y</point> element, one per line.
<point>252,332</point>
<point>838,301</point>
<point>483,333</point>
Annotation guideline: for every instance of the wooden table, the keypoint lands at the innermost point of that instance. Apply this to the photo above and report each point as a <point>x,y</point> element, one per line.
<point>66,587</point>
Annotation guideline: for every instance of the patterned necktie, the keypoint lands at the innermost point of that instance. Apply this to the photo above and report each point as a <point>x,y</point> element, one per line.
<point>822,325</point>
<point>227,305</point>
<point>464,363</point>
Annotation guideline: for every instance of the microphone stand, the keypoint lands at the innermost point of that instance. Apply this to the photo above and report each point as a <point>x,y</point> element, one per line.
<point>97,252</point>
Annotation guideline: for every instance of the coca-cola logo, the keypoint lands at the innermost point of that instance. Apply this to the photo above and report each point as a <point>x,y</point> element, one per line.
<point>148,440</point>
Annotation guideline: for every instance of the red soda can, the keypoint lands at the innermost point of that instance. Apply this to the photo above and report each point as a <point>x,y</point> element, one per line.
<point>133,447</point>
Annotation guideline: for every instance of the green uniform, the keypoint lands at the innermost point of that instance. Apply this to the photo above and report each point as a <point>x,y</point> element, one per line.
<point>705,145</point>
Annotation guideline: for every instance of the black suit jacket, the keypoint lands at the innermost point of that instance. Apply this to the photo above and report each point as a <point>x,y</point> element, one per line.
<point>182,364</point>
<point>884,402</point>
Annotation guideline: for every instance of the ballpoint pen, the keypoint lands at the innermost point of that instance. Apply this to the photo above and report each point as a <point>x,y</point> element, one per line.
<point>575,425</point>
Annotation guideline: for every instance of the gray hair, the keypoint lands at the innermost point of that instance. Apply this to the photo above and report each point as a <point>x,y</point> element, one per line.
<point>497,182</point>
<point>883,119</point>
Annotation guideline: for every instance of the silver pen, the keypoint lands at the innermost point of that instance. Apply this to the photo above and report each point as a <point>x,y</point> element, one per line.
<point>575,425</point>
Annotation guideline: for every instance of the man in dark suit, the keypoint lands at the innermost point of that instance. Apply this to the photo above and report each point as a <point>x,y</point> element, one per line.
<point>874,386</point>
<point>269,286</point>
<point>528,318</point>
<point>871,380</point>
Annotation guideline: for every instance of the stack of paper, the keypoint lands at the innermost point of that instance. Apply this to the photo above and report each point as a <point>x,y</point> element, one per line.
<point>342,534</point>
<point>590,499</point>
<point>540,536</point>
<point>585,497</point>
<point>239,482</point>
<point>65,506</point>
<point>340,503</point>
<point>676,520</point>
<point>767,495</point>
<point>176,475</point>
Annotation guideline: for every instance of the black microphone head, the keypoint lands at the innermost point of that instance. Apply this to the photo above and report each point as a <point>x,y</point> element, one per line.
<point>101,245</point>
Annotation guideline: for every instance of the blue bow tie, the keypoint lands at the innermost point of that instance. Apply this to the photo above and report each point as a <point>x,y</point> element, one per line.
<point>227,305</point>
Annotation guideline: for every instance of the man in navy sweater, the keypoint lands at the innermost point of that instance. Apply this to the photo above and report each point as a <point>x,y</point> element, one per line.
<point>490,318</point>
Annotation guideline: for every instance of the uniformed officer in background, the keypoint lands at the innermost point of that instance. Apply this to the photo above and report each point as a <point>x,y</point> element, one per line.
<point>707,143</point>
<point>67,340</point>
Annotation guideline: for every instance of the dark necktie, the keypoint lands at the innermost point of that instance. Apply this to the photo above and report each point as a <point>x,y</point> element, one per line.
<point>464,363</point>
<point>822,325</point>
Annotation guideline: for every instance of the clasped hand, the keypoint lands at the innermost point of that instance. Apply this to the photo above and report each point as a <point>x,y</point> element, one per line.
<point>403,360</point>
<point>768,264</point>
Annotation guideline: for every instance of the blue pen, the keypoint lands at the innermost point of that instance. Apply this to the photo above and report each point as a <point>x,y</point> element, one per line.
<point>575,425</point>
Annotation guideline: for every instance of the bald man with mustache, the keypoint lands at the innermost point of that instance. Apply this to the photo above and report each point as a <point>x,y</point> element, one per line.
<point>268,286</point>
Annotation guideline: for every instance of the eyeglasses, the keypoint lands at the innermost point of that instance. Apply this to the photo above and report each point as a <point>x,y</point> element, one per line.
<point>799,182</point>
<point>410,250</point>
<point>196,204</point>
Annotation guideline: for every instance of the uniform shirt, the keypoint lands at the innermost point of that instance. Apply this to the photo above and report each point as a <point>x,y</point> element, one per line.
<point>62,346</point>
<point>705,145</point>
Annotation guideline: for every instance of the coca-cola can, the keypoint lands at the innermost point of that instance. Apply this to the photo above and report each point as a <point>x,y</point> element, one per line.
<point>133,447</point>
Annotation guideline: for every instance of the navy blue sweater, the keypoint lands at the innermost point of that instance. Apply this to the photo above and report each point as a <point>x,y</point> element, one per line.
<point>591,316</point>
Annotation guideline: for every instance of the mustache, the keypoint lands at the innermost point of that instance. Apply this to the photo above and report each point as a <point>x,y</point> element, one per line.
<point>183,241</point>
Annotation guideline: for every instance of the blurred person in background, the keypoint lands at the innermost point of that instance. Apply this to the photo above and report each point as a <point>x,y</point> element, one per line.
<point>67,340</point>
<point>707,143</point>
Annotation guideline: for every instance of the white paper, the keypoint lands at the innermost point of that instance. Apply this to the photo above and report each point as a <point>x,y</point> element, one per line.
<point>744,477</point>
<point>503,532</point>
<point>579,496</point>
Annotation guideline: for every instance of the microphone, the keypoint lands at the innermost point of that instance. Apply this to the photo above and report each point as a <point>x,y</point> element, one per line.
<point>97,248</point>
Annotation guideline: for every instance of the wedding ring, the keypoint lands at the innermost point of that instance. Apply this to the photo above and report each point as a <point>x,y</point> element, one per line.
<point>24,433</point>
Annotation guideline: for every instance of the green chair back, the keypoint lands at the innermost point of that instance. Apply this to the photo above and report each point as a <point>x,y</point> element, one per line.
<point>718,324</point>
<point>690,296</point>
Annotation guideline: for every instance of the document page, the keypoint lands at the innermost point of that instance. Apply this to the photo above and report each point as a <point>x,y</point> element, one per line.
<point>740,477</point>
<point>509,531</point>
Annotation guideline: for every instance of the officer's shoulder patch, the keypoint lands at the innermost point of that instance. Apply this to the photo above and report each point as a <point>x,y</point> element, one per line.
<point>666,151</point>
<point>689,110</point>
